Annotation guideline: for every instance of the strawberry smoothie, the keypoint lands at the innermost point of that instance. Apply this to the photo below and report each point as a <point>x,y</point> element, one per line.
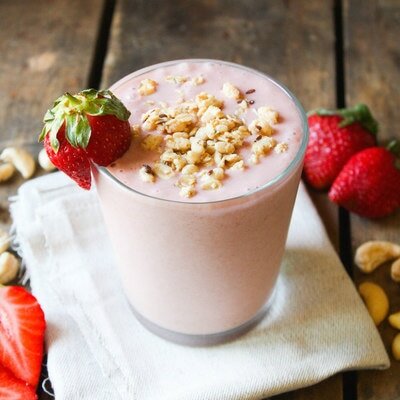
<point>198,209</point>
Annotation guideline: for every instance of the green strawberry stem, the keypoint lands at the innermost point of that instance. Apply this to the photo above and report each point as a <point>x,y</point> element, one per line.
<point>394,147</point>
<point>72,110</point>
<point>359,113</point>
<point>73,100</point>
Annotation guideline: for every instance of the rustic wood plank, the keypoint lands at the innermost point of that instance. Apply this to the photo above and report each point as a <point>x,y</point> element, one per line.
<point>372,54</point>
<point>46,49</point>
<point>301,55</point>
<point>291,40</point>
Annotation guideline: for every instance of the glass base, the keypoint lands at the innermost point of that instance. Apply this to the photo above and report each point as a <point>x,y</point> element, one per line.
<point>207,339</point>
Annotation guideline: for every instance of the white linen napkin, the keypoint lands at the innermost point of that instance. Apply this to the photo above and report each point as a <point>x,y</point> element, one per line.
<point>316,326</point>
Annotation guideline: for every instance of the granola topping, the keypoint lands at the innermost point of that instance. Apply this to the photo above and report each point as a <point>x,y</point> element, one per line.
<point>147,87</point>
<point>196,142</point>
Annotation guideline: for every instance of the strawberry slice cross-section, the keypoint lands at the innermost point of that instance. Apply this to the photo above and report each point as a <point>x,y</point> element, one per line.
<point>12,388</point>
<point>22,327</point>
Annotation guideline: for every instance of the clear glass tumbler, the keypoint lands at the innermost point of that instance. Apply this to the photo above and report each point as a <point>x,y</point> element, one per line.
<point>200,273</point>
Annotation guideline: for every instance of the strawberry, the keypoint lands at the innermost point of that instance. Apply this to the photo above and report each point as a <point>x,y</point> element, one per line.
<point>71,160</point>
<point>22,327</point>
<point>91,126</point>
<point>110,139</point>
<point>12,388</point>
<point>334,137</point>
<point>369,183</point>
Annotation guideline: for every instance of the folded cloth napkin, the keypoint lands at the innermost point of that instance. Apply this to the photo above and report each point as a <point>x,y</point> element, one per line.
<point>317,324</point>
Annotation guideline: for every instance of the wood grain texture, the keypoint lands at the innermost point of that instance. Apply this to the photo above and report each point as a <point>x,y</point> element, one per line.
<point>46,49</point>
<point>372,65</point>
<point>290,40</point>
<point>301,55</point>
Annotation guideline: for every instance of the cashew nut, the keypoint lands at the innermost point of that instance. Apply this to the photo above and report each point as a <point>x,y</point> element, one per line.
<point>4,241</point>
<point>21,159</point>
<point>6,171</point>
<point>9,266</point>
<point>396,347</point>
<point>395,271</point>
<point>44,161</point>
<point>374,253</point>
<point>375,300</point>
<point>394,320</point>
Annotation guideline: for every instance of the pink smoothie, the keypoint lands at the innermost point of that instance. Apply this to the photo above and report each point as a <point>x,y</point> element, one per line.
<point>267,93</point>
<point>206,264</point>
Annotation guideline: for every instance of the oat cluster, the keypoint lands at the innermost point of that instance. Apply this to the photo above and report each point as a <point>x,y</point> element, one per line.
<point>198,142</point>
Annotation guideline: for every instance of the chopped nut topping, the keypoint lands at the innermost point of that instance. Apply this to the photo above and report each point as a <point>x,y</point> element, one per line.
<point>190,169</point>
<point>197,140</point>
<point>187,191</point>
<point>260,127</point>
<point>163,171</point>
<point>238,165</point>
<point>263,146</point>
<point>179,79</point>
<point>186,180</point>
<point>210,182</point>
<point>281,147</point>
<point>242,108</point>
<point>267,115</point>
<point>147,87</point>
<point>231,91</point>
<point>197,80</point>
<point>152,142</point>
<point>147,174</point>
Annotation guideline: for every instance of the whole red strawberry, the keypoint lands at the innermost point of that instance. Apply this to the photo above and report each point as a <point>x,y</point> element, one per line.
<point>369,183</point>
<point>22,327</point>
<point>91,126</point>
<point>334,137</point>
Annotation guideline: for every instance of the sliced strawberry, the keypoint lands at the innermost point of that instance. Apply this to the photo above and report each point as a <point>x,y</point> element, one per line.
<point>109,140</point>
<point>22,327</point>
<point>12,388</point>
<point>334,137</point>
<point>369,183</point>
<point>89,126</point>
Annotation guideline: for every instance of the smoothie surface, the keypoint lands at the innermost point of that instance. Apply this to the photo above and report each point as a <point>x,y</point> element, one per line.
<point>171,118</point>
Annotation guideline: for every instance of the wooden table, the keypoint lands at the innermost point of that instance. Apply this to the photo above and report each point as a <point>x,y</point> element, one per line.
<point>330,53</point>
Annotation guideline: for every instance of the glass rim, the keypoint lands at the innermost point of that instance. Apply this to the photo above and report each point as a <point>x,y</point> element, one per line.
<point>272,182</point>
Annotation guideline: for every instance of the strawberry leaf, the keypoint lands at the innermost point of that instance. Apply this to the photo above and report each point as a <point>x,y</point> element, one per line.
<point>359,113</point>
<point>73,110</point>
<point>77,130</point>
<point>55,127</point>
<point>394,148</point>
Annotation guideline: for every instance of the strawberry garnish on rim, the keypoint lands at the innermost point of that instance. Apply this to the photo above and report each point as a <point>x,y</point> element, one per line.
<point>336,135</point>
<point>91,126</point>
<point>22,327</point>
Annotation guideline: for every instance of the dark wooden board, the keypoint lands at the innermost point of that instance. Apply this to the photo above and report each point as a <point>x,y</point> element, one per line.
<point>291,40</point>
<point>372,57</point>
<point>46,48</point>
